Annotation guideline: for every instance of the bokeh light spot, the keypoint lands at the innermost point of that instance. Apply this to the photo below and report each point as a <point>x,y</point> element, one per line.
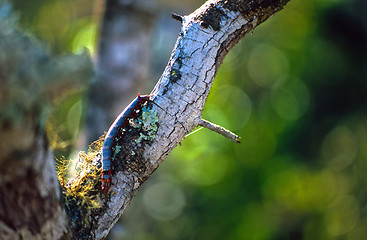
<point>257,223</point>
<point>300,189</point>
<point>204,166</point>
<point>85,38</point>
<point>266,64</point>
<point>164,201</point>
<point>73,118</point>
<point>53,20</point>
<point>341,215</point>
<point>293,28</point>
<point>231,107</point>
<point>339,148</point>
<point>290,98</point>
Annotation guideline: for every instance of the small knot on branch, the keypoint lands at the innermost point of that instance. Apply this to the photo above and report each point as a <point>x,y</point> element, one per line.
<point>177,17</point>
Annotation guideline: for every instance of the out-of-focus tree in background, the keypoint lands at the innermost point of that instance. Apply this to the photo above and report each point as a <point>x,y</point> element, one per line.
<point>295,91</point>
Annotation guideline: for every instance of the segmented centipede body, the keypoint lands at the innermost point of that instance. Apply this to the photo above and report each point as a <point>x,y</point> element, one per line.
<point>114,131</point>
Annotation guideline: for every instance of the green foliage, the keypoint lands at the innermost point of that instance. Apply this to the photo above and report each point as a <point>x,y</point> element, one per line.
<point>66,25</point>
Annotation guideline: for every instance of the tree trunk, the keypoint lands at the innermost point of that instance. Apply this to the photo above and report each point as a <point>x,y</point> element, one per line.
<point>31,205</point>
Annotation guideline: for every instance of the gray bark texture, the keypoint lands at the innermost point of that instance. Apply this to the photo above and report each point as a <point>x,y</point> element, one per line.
<point>31,204</point>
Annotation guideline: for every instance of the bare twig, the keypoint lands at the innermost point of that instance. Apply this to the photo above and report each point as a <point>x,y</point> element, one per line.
<point>220,130</point>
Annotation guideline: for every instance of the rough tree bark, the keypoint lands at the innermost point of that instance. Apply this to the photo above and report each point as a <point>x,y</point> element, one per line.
<point>30,203</point>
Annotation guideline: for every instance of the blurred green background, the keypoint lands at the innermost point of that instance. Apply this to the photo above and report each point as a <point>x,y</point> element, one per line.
<point>295,91</point>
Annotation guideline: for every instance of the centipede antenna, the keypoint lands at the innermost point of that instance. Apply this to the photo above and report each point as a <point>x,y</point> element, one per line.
<point>220,130</point>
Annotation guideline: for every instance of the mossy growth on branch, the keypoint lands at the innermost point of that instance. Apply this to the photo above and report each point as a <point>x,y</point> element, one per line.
<point>82,193</point>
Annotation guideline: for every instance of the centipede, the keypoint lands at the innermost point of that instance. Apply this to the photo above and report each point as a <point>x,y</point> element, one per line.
<point>115,132</point>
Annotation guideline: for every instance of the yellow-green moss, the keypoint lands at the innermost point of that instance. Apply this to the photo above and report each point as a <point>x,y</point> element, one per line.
<point>83,191</point>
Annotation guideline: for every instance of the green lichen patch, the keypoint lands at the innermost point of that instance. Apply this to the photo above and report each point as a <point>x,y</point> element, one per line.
<point>141,130</point>
<point>147,123</point>
<point>116,149</point>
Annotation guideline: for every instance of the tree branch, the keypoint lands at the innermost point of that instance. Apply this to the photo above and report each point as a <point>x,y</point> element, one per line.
<point>28,185</point>
<point>178,98</point>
